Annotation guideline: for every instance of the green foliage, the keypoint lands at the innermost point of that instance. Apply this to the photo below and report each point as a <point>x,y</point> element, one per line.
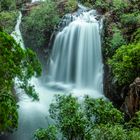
<point>8,112</point>
<point>115,41</point>
<point>7,5</point>
<point>39,24</point>
<point>130,18</point>
<point>101,4</point>
<point>134,134</point>
<point>134,122</point>
<point>84,120</point>
<point>14,63</point>
<point>102,111</point>
<point>46,134</point>
<point>109,132</point>
<point>71,6</point>
<point>136,36</point>
<point>125,63</point>
<point>8,20</point>
<point>91,119</point>
<point>68,116</point>
<point>119,5</point>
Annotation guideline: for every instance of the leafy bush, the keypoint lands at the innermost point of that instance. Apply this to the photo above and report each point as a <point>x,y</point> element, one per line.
<point>80,121</point>
<point>125,63</point>
<point>7,5</point>
<point>8,20</point>
<point>46,134</point>
<point>102,111</point>
<point>130,18</point>
<point>71,6</point>
<point>39,24</point>
<point>109,132</point>
<point>16,63</point>
<point>119,5</point>
<point>136,36</point>
<point>8,112</point>
<point>115,41</point>
<point>68,116</point>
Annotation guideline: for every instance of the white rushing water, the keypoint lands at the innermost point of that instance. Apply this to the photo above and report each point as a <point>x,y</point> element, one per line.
<point>76,60</point>
<point>17,34</point>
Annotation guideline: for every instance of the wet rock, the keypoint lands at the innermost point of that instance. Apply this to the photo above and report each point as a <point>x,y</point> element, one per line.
<point>132,100</point>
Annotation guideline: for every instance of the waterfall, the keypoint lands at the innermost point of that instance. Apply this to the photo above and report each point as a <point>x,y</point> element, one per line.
<point>16,34</point>
<point>76,58</point>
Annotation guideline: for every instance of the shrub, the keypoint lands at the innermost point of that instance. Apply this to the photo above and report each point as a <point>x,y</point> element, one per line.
<point>8,112</point>
<point>8,20</point>
<point>125,63</point>
<point>109,132</point>
<point>102,111</point>
<point>46,134</point>
<point>115,41</point>
<point>130,19</point>
<point>7,5</point>
<point>39,24</point>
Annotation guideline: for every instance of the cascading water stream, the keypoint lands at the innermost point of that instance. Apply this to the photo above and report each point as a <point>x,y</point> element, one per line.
<point>17,34</point>
<point>76,59</point>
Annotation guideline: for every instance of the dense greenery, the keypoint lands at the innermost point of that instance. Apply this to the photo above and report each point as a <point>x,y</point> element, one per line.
<point>39,24</point>
<point>8,20</point>
<point>8,112</point>
<point>7,5</point>
<point>19,64</point>
<point>126,63</point>
<point>91,119</point>
<point>8,15</point>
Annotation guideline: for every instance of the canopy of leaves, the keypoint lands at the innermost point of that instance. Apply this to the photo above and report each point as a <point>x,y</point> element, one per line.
<point>14,63</point>
<point>39,24</point>
<point>76,120</point>
<point>8,20</point>
<point>8,112</point>
<point>126,63</point>
<point>69,117</point>
<point>46,134</point>
<point>99,121</point>
<point>7,5</point>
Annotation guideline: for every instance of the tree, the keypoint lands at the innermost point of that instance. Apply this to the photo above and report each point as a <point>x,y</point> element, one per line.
<point>14,63</point>
<point>39,24</point>
<point>7,5</point>
<point>85,120</point>
<point>69,117</point>
<point>46,134</point>
<point>125,63</point>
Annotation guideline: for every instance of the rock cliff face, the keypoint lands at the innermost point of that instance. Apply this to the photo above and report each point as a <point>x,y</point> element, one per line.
<point>132,100</point>
<point>111,89</point>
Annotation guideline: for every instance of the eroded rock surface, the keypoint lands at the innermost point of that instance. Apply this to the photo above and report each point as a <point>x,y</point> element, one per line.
<point>132,100</point>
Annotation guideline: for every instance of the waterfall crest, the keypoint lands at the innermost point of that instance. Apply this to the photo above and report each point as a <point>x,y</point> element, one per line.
<point>76,58</point>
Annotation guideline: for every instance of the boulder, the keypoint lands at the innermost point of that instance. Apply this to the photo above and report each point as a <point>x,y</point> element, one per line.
<point>131,103</point>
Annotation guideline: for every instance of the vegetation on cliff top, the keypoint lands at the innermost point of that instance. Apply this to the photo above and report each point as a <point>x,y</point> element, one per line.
<point>40,22</point>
